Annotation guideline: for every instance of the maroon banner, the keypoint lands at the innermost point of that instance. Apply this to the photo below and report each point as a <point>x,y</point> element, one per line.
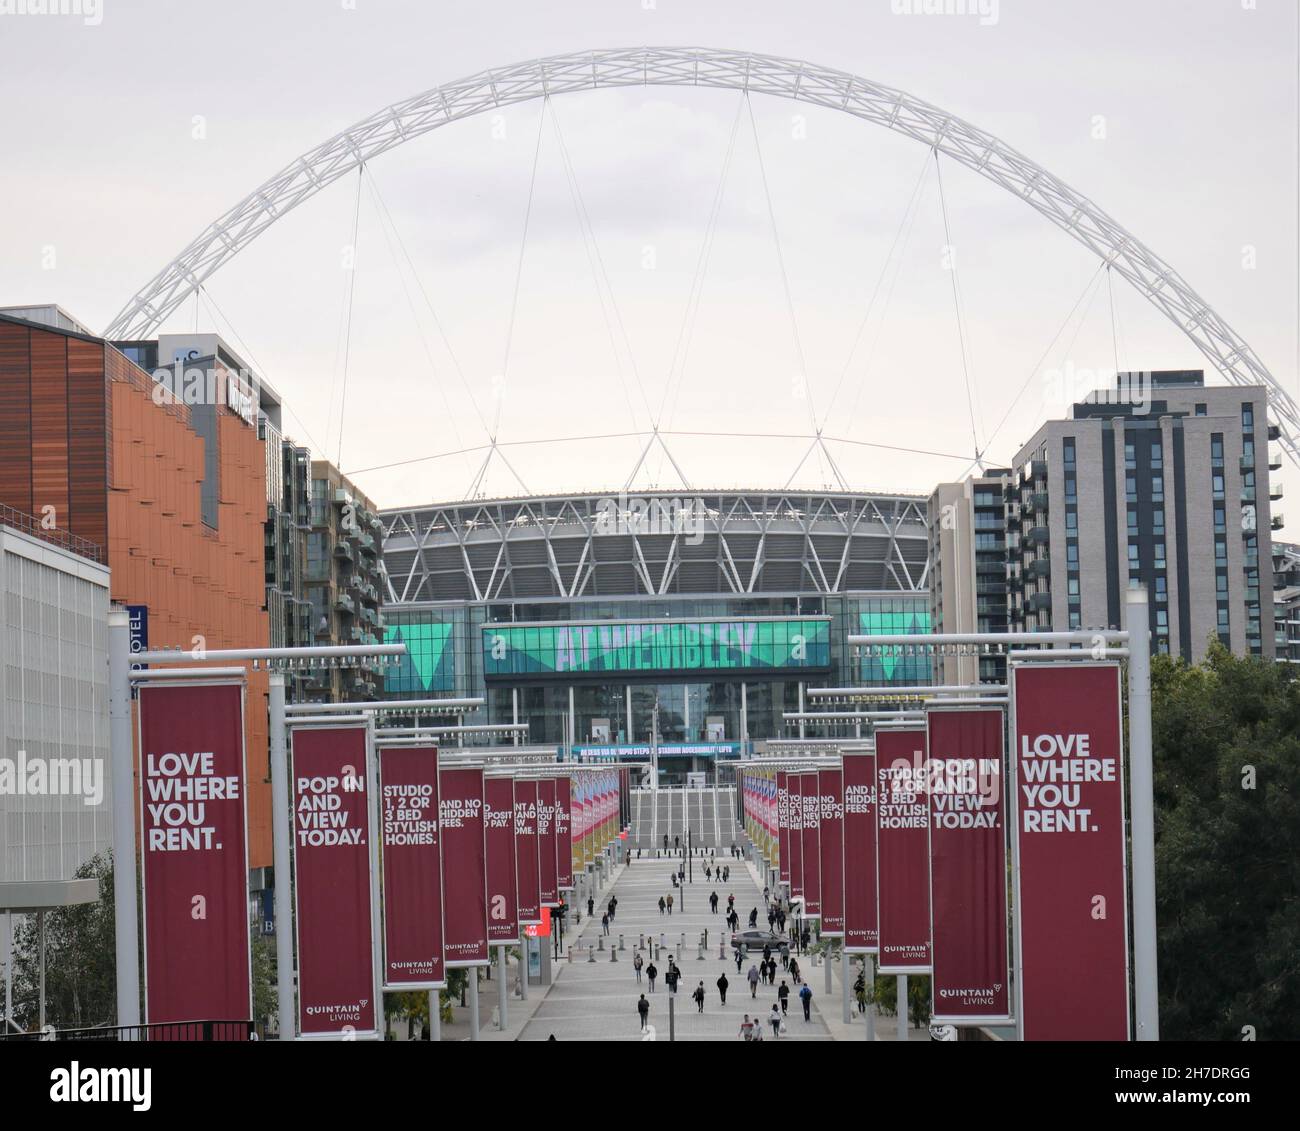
<point>830,787</point>
<point>1068,804</point>
<point>783,826</point>
<point>333,862</point>
<point>564,834</point>
<point>526,852</point>
<point>194,853</point>
<point>412,868</point>
<point>464,867</point>
<point>502,887</point>
<point>548,869</point>
<point>860,934</point>
<point>902,852</point>
<point>794,839</point>
<point>812,859</point>
<point>969,976</point>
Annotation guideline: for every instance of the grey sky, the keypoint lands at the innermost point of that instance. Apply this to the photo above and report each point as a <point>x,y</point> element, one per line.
<point>103,175</point>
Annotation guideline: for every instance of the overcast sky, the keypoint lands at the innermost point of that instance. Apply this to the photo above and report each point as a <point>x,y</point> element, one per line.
<point>124,137</point>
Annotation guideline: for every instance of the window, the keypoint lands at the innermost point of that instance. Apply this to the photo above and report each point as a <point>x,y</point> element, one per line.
<point>1221,584</point>
<point>1072,586</point>
<point>1220,523</point>
<point>1071,487</point>
<point>1216,448</point>
<point>1162,587</point>
<point>1220,550</point>
<point>1067,451</point>
<point>1130,455</point>
<point>1076,621</point>
<point>1131,488</point>
<point>1072,520</point>
<point>1158,488</point>
<point>1072,553</point>
<point>1158,520</point>
<point>1247,415</point>
<point>1216,485</point>
<point>1160,555</point>
<point>1200,409</point>
<point>1157,454</point>
<point>1132,520</point>
<point>1133,555</point>
<point>1223,617</point>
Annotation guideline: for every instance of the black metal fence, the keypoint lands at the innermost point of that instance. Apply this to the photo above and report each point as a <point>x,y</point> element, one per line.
<point>166,1031</point>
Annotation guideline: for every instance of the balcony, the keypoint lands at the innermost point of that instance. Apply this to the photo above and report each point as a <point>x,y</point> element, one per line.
<point>341,497</point>
<point>343,551</point>
<point>1274,432</point>
<point>1037,602</point>
<point>1038,535</point>
<point>1039,567</point>
<point>344,603</point>
<point>1275,492</point>
<point>1277,523</point>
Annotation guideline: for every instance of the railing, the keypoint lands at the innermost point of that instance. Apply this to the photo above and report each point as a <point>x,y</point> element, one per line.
<point>28,524</point>
<point>166,1031</point>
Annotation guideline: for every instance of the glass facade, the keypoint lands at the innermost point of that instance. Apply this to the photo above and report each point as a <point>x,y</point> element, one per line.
<point>682,670</point>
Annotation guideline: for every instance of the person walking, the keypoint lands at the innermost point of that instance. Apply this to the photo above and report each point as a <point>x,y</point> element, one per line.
<point>804,940</point>
<point>722,987</point>
<point>604,923</point>
<point>771,919</point>
<point>740,958</point>
<point>805,996</point>
<point>783,996</point>
<point>591,907</point>
<point>613,905</point>
<point>860,991</point>
<point>665,842</point>
<point>672,978</point>
<point>794,971</point>
<point>698,995</point>
<point>767,895</point>
<point>780,920</point>
<point>643,1008</point>
<point>651,973</point>
<point>785,960</point>
<point>771,971</point>
<point>753,917</point>
<point>774,1019</point>
<point>662,905</point>
<point>670,903</point>
<point>637,963</point>
<point>731,904</point>
<point>746,1029</point>
<point>753,981</point>
<point>713,903</point>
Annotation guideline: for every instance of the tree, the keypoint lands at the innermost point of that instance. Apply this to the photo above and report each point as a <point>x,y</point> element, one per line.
<point>1226,737</point>
<point>80,966</point>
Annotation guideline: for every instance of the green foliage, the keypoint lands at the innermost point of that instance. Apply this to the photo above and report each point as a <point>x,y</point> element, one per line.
<point>266,995</point>
<point>80,967</point>
<point>1227,792</point>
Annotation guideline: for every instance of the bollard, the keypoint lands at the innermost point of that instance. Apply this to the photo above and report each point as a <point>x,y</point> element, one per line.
<point>700,957</point>
<point>591,953</point>
<point>640,941</point>
<point>613,954</point>
<point>722,948</point>
<point>600,943</point>
<point>682,945</point>
<point>620,942</point>
<point>570,956</point>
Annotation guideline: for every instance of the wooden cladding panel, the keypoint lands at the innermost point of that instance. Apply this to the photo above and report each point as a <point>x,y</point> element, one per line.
<point>88,441</point>
<point>15,417</point>
<point>50,428</point>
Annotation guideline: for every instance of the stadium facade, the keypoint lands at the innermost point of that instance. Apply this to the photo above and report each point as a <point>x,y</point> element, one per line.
<point>691,621</point>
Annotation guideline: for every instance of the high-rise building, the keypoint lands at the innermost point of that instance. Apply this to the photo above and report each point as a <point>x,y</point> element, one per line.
<point>1286,602</point>
<point>345,583</point>
<point>967,573</point>
<point>1163,482</point>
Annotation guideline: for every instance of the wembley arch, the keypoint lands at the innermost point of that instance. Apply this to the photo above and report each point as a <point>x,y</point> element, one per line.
<point>1152,277</point>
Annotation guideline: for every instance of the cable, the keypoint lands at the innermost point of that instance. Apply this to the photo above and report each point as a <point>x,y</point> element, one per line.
<point>875,291</point>
<point>956,302</point>
<point>519,272</point>
<point>347,339</point>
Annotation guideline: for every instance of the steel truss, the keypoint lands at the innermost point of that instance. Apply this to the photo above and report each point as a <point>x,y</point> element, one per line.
<point>579,546</point>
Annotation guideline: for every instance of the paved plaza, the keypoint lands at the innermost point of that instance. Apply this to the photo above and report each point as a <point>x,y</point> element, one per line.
<point>597,1000</point>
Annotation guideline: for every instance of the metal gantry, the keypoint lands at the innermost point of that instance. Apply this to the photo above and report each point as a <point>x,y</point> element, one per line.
<point>975,149</point>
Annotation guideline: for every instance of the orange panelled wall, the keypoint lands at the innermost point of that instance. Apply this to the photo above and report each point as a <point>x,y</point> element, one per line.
<point>80,431</point>
<point>203,587</point>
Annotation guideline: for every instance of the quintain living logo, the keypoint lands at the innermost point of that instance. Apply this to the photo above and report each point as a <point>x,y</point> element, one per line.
<point>627,514</point>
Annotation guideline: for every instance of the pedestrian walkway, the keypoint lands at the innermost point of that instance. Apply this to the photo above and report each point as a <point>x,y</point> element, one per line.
<point>596,1001</point>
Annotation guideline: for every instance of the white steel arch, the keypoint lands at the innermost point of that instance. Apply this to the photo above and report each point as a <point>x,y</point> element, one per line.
<point>977,150</point>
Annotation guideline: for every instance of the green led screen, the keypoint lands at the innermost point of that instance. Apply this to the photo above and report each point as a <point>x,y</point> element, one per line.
<point>429,663</point>
<point>893,618</point>
<point>648,647</point>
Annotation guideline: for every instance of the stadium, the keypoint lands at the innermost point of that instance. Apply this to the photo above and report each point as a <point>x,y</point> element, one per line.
<point>689,622</point>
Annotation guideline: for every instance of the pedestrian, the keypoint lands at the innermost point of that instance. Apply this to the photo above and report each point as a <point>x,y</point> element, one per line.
<point>677,842</point>
<point>771,971</point>
<point>753,981</point>
<point>731,902</point>
<point>643,1008</point>
<point>698,995</point>
<point>767,895</point>
<point>708,873</point>
<point>860,991</point>
<point>780,920</point>
<point>774,1019</point>
<point>662,905</point>
<point>670,903</point>
<point>785,959</point>
<point>671,977</point>
<point>665,842</point>
<point>713,903</point>
<point>613,905</point>
<point>727,874</point>
<point>651,973</point>
<point>771,920</point>
<point>753,917</point>
<point>805,996</point>
<point>746,1029</point>
<point>794,971</point>
<point>783,995</point>
<point>637,963</point>
<point>722,987</point>
<point>804,940</point>
<point>740,958</point>
<point>591,907</point>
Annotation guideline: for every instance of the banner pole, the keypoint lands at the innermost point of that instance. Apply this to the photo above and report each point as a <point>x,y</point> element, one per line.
<point>472,973</point>
<point>846,969</point>
<point>280,835</point>
<point>435,1015</point>
<point>869,970</point>
<point>523,964</point>
<point>902,1007</point>
<point>1142,815</point>
<point>501,989</point>
<point>121,747</point>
